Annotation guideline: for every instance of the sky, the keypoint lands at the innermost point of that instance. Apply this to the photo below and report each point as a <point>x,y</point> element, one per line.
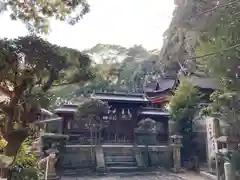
<point>122,22</point>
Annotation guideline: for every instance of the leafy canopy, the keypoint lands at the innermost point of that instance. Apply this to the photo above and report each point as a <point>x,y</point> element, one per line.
<point>29,67</point>
<point>224,38</point>
<point>183,103</point>
<point>36,14</point>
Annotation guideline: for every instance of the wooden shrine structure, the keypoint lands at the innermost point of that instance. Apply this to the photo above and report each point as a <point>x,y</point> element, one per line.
<point>120,149</point>
<point>126,110</point>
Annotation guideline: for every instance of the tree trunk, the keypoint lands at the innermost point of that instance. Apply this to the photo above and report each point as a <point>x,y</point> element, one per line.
<point>15,139</point>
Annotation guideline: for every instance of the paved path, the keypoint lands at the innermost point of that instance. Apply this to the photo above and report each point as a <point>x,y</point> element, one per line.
<point>149,177</point>
<point>157,176</point>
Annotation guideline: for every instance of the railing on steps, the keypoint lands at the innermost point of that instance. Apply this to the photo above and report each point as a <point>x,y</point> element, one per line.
<point>47,165</point>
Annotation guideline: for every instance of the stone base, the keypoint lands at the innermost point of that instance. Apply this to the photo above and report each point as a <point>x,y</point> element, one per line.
<point>177,170</point>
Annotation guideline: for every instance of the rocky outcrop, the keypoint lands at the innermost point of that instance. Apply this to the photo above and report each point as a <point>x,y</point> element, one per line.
<point>190,19</point>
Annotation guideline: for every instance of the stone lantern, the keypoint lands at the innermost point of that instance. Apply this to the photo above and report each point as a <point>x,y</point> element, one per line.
<point>176,144</point>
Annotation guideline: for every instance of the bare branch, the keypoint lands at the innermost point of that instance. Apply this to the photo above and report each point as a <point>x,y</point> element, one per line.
<point>217,52</point>
<point>215,8</point>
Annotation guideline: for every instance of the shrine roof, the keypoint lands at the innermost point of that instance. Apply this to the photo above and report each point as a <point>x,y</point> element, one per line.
<point>127,97</point>
<point>160,84</point>
<point>153,111</point>
<point>48,120</point>
<point>66,110</point>
<point>46,112</point>
<point>204,82</point>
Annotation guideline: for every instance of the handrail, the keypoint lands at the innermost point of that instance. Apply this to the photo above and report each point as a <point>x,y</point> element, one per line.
<point>47,160</point>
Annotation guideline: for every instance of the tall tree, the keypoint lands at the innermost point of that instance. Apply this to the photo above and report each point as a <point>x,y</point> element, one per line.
<point>219,53</point>
<point>36,14</point>
<point>30,66</point>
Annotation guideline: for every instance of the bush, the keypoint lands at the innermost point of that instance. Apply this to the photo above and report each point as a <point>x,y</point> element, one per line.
<point>25,164</point>
<point>25,157</point>
<point>3,144</point>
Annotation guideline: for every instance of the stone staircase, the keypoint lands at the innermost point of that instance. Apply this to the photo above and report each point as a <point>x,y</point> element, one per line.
<point>120,161</point>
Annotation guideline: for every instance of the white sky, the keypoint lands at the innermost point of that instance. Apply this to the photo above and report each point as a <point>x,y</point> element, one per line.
<point>123,22</point>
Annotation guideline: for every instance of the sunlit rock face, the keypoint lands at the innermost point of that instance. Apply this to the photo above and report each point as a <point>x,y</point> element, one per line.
<point>180,2</point>
<point>190,19</point>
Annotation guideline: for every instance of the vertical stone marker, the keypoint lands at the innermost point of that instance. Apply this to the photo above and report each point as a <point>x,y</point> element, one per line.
<point>212,129</point>
<point>176,144</point>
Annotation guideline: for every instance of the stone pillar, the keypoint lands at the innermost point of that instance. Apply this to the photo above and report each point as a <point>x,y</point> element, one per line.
<point>172,128</point>
<point>176,144</point>
<point>228,171</point>
<point>100,161</point>
<point>60,126</point>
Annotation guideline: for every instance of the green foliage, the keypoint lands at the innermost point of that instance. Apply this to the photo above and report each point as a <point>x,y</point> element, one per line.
<point>25,157</point>
<point>30,66</point>
<point>183,107</point>
<point>220,37</point>
<point>92,109</point>
<point>3,144</point>
<point>36,14</point>
<point>224,105</point>
<point>28,161</point>
<point>223,37</point>
<point>183,103</point>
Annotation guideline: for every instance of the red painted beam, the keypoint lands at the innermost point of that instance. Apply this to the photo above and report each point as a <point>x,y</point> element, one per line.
<point>159,99</point>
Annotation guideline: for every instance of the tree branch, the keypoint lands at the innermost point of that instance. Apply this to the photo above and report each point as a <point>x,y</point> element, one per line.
<point>217,52</point>
<point>215,8</point>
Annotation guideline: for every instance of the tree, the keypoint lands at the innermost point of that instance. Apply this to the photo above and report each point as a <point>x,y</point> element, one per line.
<point>36,14</point>
<point>183,107</point>
<point>219,53</point>
<point>91,112</point>
<point>30,66</point>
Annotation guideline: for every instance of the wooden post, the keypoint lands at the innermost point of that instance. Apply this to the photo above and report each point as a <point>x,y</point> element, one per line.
<point>118,118</point>
<point>217,166</point>
<point>46,170</point>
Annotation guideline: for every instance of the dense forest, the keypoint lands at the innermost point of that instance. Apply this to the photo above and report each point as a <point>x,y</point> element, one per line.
<point>117,69</point>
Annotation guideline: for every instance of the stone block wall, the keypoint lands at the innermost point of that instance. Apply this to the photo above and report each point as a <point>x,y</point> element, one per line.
<point>79,157</point>
<point>118,149</point>
<point>161,156</point>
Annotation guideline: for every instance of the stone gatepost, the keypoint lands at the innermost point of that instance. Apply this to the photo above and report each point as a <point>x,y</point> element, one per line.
<point>176,144</point>
<point>228,171</point>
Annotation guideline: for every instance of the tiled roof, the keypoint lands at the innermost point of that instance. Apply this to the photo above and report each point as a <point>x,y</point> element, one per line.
<point>153,111</point>
<point>160,85</point>
<point>204,82</point>
<point>120,97</point>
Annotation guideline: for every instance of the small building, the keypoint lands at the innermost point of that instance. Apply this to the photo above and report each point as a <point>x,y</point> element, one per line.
<point>126,110</point>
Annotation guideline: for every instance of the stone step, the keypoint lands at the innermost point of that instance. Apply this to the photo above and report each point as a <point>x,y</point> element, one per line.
<point>119,158</point>
<point>118,153</point>
<point>76,171</point>
<point>122,169</point>
<point>121,164</point>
